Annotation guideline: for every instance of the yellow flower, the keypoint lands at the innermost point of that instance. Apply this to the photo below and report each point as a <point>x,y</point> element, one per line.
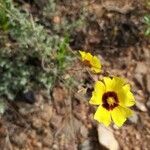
<point>91,61</point>
<point>113,97</point>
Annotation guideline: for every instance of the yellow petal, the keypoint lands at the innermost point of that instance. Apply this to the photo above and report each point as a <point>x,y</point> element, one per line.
<point>125,96</point>
<point>82,53</point>
<point>96,65</point>
<point>103,116</point>
<point>108,83</point>
<point>86,56</point>
<point>95,70</point>
<point>120,114</point>
<point>99,90</point>
<point>118,83</point>
<point>93,60</point>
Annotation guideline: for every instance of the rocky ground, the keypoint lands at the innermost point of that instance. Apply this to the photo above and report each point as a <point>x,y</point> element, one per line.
<point>63,121</point>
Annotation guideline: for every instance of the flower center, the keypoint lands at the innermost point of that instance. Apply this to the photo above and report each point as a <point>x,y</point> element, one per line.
<point>87,63</point>
<point>110,100</point>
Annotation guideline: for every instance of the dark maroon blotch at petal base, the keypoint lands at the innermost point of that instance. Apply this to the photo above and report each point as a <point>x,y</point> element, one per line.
<point>87,63</point>
<point>105,100</point>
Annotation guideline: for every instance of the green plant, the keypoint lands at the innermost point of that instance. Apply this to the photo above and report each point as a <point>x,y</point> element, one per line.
<point>147,22</point>
<point>31,58</point>
<point>62,55</point>
<point>65,24</point>
<point>4,21</point>
<point>2,106</point>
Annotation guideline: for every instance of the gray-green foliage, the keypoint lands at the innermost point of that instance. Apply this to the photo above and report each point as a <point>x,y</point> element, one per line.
<point>31,58</point>
<point>147,22</point>
<point>4,22</point>
<point>65,25</point>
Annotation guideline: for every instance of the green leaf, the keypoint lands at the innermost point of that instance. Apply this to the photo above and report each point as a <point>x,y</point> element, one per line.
<point>2,106</point>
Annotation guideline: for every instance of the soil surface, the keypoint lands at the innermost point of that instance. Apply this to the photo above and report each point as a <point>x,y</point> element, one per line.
<point>64,121</point>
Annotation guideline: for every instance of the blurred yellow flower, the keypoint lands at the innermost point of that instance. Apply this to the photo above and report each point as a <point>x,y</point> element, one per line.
<point>113,97</point>
<point>91,61</point>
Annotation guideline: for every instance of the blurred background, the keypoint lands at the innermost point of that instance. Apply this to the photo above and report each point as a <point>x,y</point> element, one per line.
<point>44,89</point>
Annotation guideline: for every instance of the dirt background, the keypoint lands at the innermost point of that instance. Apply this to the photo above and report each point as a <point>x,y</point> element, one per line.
<point>63,121</point>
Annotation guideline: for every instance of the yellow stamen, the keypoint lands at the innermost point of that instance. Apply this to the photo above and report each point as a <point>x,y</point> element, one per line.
<point>110,101</point>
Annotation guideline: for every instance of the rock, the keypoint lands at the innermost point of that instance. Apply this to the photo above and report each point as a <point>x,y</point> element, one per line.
<point>106,138</point>
<point>139,79</point>
<point>29,97</point>
<point>80,95</point>
<point>55,147</point>
<point>139,96</point>
<point>86,145</point>
<point>57,19</point>
<point>96,9</point>
<point>19,139</point>
<point>3,131</point>
<point>36,123</point>
<point>141,106</point>
<point>56,121</point>
<point>115,127</point>
<point>37,145</point>
<point>59,94</point>
<point>46,114</point>
<point>148,103</point>
<point>134,118</point>
<point>47,141</point>
<point>141,68</point>
<point>123,7</point>
<point>146,53</point>
<point>148,83</point>
<point>84,131</point>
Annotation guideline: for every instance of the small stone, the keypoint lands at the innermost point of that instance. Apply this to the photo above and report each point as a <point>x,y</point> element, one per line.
<point>55,147</point>
<point>146,53</point>
<point>141,68</point>
<point>115,127</point>
<point>59,94</point>
<point>47,141</point>
<point>141,106</point>
<point>139,79</point>
<point>29,97</point>
<point>106,138</point>
<point>57,20</point>
<point>134,118</point>
<point>37,144</point>
<point>19,139</point>
<point>148,103</point>
<point>123,7</point>
<point>46,114</point>
<point>36,123</point>
<point>96,9</point>
<point>56,121</point>
<point>86,145</point>
<point>148,82</point>
<point>23,111</point>
<point>84,131</point>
